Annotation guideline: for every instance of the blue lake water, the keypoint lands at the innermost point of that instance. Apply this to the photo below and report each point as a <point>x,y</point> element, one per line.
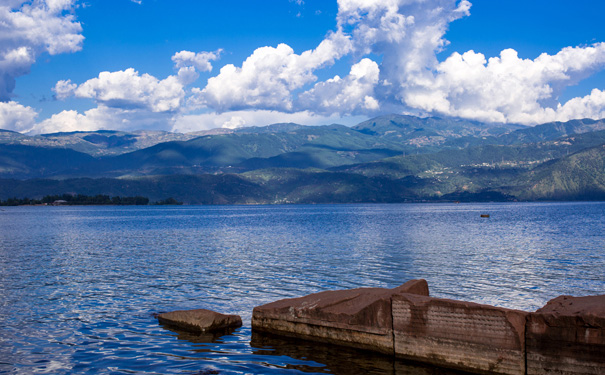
<point>79,285</point>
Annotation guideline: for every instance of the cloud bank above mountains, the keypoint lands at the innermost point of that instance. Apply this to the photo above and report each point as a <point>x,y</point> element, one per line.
<point>392,46</point>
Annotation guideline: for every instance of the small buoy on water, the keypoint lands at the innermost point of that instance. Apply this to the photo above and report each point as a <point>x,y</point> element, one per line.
<point>484,215</point>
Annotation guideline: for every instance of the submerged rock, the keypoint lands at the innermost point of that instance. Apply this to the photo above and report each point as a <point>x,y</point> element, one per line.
<point>567,336</point>
<point>200,320</point>
<point>357,317</point>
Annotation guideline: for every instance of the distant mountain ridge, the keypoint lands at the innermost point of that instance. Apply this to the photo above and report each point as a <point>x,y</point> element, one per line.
<point>388,158</point>
<point>96,143</point>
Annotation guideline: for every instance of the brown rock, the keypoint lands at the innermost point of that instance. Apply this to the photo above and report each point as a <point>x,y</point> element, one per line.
<point>567,336</point>
<point>461,335</point>
<point>199,320</point>
<point>358,317</point>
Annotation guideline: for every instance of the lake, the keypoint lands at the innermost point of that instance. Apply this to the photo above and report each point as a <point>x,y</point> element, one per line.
<point>79,286</point>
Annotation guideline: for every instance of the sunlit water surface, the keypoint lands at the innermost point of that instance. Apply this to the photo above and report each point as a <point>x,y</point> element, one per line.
<point>79,286</point>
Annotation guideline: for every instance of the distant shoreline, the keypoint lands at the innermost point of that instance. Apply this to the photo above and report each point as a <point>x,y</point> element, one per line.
<point>86,200</point>
<point>423,202</point>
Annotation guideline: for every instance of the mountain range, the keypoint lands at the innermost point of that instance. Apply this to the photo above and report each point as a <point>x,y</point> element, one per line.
<point>392,158</point>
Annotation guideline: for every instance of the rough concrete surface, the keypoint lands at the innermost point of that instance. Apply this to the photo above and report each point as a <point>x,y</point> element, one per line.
<point>456,334</point>
<point>357,317</point>
<point>567,336</point>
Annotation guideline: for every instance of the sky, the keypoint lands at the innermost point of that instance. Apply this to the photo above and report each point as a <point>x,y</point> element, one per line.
<point>78,65</point>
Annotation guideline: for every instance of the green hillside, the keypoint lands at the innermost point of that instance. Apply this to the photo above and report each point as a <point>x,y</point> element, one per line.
<point>387,159</point>
<point>580,176</point>
<point>430,131</point>
<point>18,161</point>
<point>303,147</point>
<point>539,133</point>
<point>96,143</point>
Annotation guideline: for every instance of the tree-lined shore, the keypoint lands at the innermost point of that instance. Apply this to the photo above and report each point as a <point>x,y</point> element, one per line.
<point>85,200</point>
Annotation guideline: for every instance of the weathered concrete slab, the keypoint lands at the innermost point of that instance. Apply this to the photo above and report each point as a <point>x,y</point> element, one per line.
<point>200,320</point>
<point>357,317</point>
<point>567,336</point>
<point>462,335</point>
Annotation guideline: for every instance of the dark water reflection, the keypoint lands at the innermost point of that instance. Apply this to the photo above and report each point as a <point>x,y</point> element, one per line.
<point>79,286</point>
<point>337,360</point>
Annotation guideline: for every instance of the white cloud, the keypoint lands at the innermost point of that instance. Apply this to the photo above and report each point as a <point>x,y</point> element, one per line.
<point>276,84</point>
<point>29,29</point>
<point>66,121</point>
<point>127,89</point>
<point>64,89</point>
<point>231,119</point>
<point>16,117</point>
<point>268,77</point>
<point>408,34</point>
<point>189,63</point>
<point>234,122</point>
<point>126,99</point>
<point>106,118</point>
<point>590,106</point>
<point>351,94</point>
<point>505,88</point>
<point>200,61</point>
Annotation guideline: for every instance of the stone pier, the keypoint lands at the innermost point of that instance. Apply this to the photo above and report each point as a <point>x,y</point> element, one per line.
<point>359,318</point>
<point>461,335</point>
<point>566,337</point>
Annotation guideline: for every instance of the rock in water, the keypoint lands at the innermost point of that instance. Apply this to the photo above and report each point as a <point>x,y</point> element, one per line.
<point>567,337</point>
<point>200,320</point>
<point>461,335</point>
<point>357,317</point>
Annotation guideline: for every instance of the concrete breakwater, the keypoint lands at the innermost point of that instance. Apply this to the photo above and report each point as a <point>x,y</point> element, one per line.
<point>567,336</point>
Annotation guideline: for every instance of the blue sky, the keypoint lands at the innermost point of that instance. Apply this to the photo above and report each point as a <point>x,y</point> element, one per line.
<point>306,61</point>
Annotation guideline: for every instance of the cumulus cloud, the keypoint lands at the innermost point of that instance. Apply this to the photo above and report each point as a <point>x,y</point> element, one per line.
<point>406,33</point>
<point>506,88</point>
<point>269,76</point>
<point>64,89</point>
<point>589,106</point>
<point>127,89</point>
<point>16,117</point>
<point>392,46</point>
<point>29,29</point>
<point>345,95</point>
<point>104,117</point>
<point>200,61</point>
<point>189,63</point>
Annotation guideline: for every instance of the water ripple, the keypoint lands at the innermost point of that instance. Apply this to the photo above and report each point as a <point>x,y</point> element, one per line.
<point>79,285</point>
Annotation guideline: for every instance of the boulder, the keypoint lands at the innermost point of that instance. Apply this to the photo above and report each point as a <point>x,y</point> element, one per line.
<point>357,317</point>
<point>567,336</point>
<point>459,335</point>
<point>200,320</point>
